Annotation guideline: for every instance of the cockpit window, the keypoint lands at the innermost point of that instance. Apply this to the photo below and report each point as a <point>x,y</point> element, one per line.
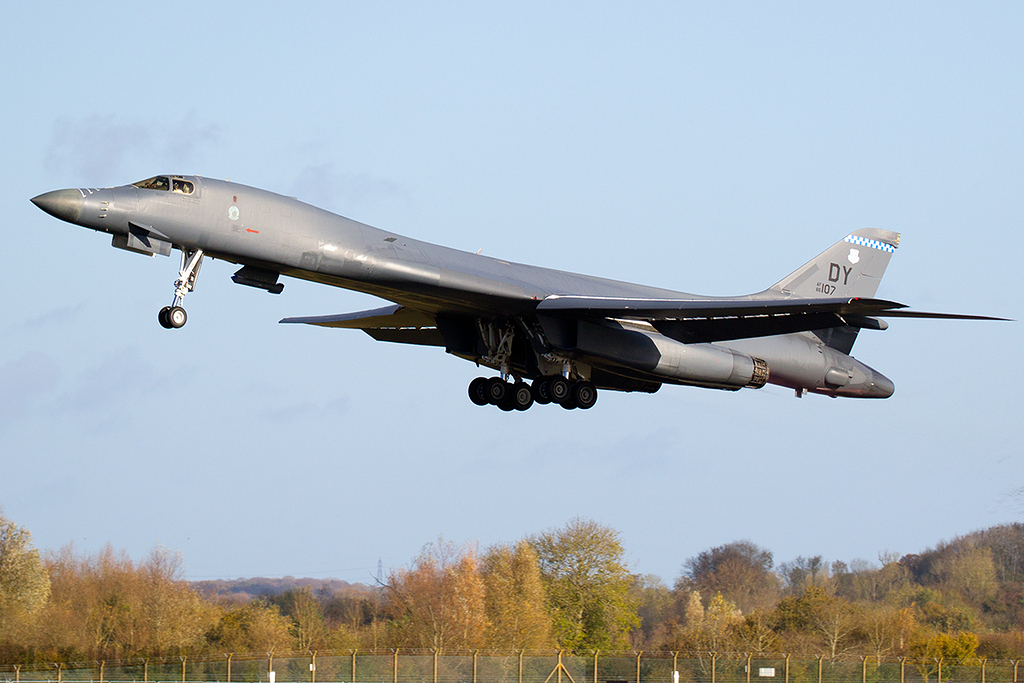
<point>182,186</point>
<point>160,182</point>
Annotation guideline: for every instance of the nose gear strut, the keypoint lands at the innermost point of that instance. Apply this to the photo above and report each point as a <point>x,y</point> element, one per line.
<point>174,316</point>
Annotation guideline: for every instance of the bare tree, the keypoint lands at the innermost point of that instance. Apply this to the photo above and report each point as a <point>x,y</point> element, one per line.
<point>802,572</point>
<point>740,571</point>
<point>302,607</point>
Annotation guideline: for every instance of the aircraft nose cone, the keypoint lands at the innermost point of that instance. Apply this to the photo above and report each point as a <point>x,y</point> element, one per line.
<point>881,386</point>
<point>63,204</point>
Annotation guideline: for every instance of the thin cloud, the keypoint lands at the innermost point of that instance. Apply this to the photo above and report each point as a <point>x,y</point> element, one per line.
<point>109,384</point>
<point>1013,499</point>
<point>323,185</point>
<point>97,148</point>
<point>190,137</point>
<point>307,410</point>
<point>93,147</point>
<point>63,316</point>
<point>26,381</point>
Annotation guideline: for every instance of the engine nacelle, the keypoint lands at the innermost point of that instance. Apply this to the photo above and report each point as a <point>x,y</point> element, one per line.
<point>805,364</point>
<point>652,354</point>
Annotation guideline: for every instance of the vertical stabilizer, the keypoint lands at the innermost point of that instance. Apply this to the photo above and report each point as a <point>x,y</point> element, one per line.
<point>851,267</point>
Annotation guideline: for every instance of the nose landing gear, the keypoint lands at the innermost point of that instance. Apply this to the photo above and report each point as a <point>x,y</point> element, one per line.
<point>174,316</point>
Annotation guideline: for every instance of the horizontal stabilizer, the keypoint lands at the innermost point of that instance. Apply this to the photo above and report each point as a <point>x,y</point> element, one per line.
<point>939,316</point>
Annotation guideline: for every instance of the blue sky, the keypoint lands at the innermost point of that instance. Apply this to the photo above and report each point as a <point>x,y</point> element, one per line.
<point>710,148</point>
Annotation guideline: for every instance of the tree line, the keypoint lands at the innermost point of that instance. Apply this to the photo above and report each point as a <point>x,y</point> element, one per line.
<point>569,588</point>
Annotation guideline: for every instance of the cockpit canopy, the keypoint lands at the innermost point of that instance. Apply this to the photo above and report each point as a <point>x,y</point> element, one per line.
<point>167,184</point>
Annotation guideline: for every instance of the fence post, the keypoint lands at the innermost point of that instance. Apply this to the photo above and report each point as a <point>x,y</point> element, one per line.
<point>60,672</point>
<point>476,652</point>
<point>1015,663</point>
<point>145,670</point>
<point>17,673</point>
<point>749,657</point>
<point>595,664</point>
<point>983,660</point>
<point>229,656</point>
<point>638,654</point>
<point>394,668</point>
<point>183,658</point>
<point>435,666</point>
<point>714,659</point>
<point>820,657</point>
<point>864,669</point>
<point>102,663</point>
<point>938,675</point>
<point>352,680</point>
<point>787,668</point>
<point>312,666</point>
<point>675,667</point>
<point>521,665</point>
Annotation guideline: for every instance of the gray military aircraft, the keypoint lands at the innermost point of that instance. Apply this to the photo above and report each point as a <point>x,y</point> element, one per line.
<point>570,334</point>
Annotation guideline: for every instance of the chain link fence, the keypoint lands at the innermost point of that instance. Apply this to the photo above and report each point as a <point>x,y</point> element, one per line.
<point>419,666</point>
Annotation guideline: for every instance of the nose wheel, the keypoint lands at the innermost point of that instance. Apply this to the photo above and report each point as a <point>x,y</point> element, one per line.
<point>174,316</point>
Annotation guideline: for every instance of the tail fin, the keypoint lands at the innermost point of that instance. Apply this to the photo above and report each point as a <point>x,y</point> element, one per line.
<point>852,267</point>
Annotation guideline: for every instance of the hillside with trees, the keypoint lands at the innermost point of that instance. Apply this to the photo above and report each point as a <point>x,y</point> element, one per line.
<point>568,588</point>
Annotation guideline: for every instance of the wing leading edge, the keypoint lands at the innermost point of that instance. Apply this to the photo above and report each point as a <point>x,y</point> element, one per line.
<point>389,323</point>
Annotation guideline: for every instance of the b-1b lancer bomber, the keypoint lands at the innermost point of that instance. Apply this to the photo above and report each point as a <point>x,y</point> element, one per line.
<point>570,335</point>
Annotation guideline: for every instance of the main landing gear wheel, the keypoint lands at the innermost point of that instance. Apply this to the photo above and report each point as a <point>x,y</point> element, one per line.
<point>559,389</point>
<point>496,390</point>
<point>522,396</point>
<point>478,391</point>
<point>584,394</point>
<point>540,391</point>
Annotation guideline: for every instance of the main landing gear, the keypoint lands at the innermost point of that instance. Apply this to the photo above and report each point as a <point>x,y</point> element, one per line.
<point>174,316</point>
<point>510,396</point>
